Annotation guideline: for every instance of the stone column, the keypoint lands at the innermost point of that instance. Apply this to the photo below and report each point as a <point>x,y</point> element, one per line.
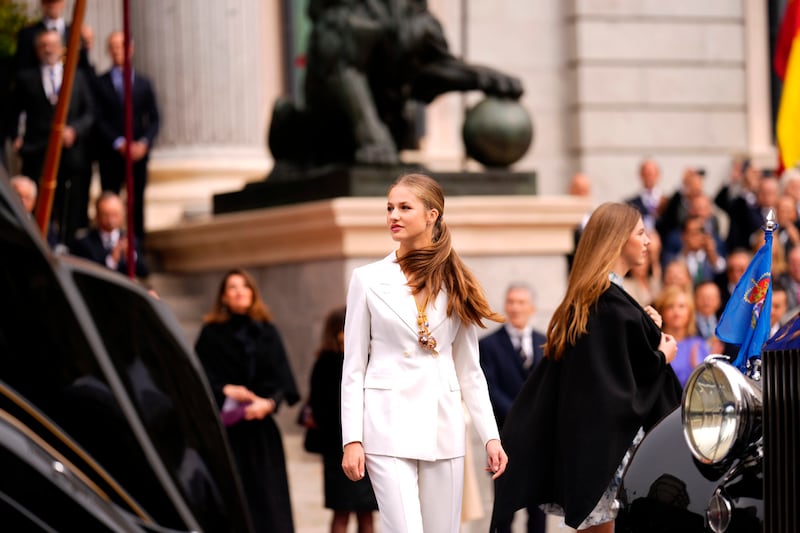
<point>216,68</point>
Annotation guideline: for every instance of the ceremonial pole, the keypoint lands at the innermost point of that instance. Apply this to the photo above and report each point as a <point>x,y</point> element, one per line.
<point>48,180</point>
<point>127,100</point>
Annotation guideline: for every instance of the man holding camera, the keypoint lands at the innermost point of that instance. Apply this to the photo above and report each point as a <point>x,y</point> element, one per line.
<point>699,251</point>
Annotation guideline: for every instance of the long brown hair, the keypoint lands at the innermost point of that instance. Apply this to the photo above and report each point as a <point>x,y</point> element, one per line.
<point>220,312</point>
<point>439,265</point>
<point>600,245</point>
<point>334,325</point>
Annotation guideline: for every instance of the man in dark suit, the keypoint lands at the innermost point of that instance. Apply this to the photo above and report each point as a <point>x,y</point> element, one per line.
<point>508,356</point>
<point>36,94</point>
<point>26,56</point>
<point>649,201</point>
<point>52,19</point>
<point>110,129</point>
<point>106,243</point>
<point>699,252</point>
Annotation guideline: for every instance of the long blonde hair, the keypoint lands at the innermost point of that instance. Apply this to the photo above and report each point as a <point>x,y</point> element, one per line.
<point>667,297</point>
<point>600,245</point>
<point>439,265</point>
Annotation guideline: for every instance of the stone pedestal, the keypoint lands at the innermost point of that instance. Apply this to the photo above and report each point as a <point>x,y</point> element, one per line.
<point>343,181</point>
<point>302,255</point>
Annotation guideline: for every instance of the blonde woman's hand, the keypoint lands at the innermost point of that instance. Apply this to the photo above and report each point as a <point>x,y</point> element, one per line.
<point>497,458</point>
<point>239,393</point>
<point>259,408</point>
<point>669,346</point>
<point>353,461</point>
<point>653,314</point>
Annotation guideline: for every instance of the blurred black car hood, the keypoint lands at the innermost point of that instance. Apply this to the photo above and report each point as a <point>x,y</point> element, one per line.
<point>96,370</point>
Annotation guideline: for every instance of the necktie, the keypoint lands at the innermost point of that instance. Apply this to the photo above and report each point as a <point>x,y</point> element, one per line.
<point>708,327</point>
<point>526,360</point>
<point>53,85</point>
<point>116,79</point>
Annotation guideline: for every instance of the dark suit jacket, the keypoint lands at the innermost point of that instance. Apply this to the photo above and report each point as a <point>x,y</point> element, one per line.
<point>29,96</point>
<point>504,371</point>
<point>636,201</point>
<point>91,247</point>
<point>672,244</point>
<point>110,122</point>
<point>745,219</point>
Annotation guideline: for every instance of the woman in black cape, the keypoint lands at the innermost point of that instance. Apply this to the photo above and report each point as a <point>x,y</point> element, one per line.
<point>249,373</point>
<point>604,381</point>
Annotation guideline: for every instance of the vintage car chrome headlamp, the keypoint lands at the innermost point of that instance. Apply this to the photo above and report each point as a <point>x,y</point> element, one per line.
<point>719,513</point>
<point>721,410</point>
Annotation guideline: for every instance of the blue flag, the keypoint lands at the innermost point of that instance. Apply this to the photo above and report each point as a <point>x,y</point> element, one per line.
<point>745,320</point>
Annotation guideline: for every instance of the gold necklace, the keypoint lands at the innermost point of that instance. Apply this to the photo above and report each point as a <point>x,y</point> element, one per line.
<point>426,340</point>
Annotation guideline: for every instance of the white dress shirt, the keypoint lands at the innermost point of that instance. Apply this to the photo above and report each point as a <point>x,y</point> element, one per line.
<point>52,75</point>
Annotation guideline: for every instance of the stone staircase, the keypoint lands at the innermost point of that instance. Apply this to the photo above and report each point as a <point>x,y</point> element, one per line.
<point>186,301</point>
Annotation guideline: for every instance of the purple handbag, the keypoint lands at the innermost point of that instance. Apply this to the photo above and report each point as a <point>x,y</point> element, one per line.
<point>232,411</point>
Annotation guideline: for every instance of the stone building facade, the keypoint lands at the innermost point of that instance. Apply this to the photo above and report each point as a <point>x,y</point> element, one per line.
<point>607,82</point>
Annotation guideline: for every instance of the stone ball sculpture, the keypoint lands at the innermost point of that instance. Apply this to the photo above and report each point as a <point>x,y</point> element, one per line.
<point>497,131</point>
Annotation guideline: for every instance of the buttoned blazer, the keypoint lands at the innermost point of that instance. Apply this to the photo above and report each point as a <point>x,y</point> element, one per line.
<point>397,398</point>
<point>110,122</point>
<point>29,96</point>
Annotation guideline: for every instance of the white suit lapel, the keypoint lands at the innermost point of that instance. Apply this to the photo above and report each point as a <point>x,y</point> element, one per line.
<point>392,288</point>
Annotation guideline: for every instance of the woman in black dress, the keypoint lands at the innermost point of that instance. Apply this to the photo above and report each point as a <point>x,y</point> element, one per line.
<point>341,495</point>
<point>248,370</point>
<point>604,381</point>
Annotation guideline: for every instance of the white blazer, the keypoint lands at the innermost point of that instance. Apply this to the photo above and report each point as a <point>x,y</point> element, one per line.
<point>397,398</point>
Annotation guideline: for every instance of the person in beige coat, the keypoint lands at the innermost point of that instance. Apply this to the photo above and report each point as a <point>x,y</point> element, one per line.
<point>411,355</point>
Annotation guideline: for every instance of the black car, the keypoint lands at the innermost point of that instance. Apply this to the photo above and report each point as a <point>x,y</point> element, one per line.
<point>106,420</point>
<point>727,460</point>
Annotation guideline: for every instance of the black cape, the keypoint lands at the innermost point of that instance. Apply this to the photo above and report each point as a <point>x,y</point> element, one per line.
<point>571,424</point>
<point>245,352</point>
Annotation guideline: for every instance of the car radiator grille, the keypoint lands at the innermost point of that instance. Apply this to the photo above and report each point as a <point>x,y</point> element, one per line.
<point>781,396</point>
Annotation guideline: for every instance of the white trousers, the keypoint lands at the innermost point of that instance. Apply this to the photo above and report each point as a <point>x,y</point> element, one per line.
<point>417,496</point>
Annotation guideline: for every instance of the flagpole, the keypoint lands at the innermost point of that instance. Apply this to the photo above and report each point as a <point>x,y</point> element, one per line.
<point>745,321</point>
<point>127,91</point>
<point>48,179</point>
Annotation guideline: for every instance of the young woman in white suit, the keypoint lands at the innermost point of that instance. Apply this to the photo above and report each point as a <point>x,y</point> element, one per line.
<point>411,355</point>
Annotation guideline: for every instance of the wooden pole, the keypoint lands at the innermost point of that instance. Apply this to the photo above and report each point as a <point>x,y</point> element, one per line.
<point>49,180</point>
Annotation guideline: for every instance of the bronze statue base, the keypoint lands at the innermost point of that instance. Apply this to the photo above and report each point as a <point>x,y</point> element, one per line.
<point>333,182</point>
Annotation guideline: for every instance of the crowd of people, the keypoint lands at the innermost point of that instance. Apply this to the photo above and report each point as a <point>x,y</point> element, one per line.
<point>703,244</point>
<point>94,129</point>
<point>648,282</point>
<point>678,267</point>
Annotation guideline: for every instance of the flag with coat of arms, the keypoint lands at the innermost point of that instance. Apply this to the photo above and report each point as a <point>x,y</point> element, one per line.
<point>745,320</point>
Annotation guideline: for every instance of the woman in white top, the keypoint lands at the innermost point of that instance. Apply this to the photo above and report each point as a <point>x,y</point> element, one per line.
<point>411,355</point>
